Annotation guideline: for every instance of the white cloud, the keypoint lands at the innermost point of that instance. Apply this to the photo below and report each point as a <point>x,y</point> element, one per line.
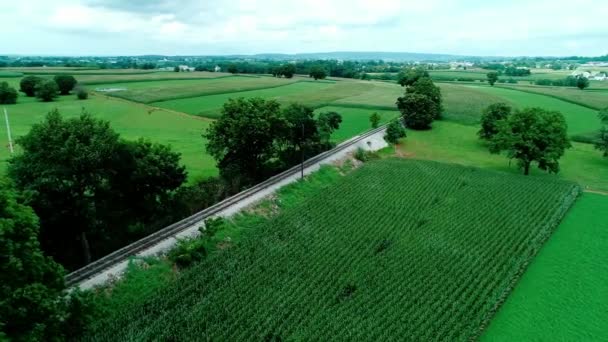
<point>474,27</point>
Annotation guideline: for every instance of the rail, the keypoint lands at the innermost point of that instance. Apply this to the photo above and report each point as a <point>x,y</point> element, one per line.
<point>153,239</point>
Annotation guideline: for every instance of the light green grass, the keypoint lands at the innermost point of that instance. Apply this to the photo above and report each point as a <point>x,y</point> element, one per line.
<point>563,296</point>
<point>210,105</point>
<point>378,94</point>
<point>465,104</point>
<point>580,119</point>
<point>156,76</point>
<point>481,74</point>
<point>595,99</point>
<point>153,91</point>
<point>130,119</point>
<point>452,142</point>
<point>355,120</point>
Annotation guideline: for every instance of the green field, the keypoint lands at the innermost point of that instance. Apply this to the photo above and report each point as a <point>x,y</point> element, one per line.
<point>428,252</point>
<point>130,119</point>
<point>563,296</point>
<point>465,104</point>
<point>593,98</point>
<point>481,74</point>
<point>356,120</point>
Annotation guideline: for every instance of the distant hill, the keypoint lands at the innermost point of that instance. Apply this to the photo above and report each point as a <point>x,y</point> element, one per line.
<point>387,56</point>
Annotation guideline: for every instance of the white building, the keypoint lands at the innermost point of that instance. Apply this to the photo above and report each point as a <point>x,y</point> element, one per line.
<point>217,68</point>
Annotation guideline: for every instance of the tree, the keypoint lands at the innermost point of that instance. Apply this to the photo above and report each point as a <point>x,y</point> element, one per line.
<point>288,70</point>
<point>28,85</point>
<point>533,135</point>
<point>418,110</point>
<point>8,94</point>
<point>602,138</point>
<point>233,69</point>
<point>242,139</point>
<point>318,72</point>
<point>374,119</point>
<point>394,132</point>
<point>30,308</point>
<point>176,69</point>
<point>82,93</point>
<point>425,86</point>
<point>490,119</point>
<point>47,90</point>
<point>327,123</point>
<point>582,82</point>
<point>408,77</point>
<point>65,83</point>
<point>492,77</point>
<point>90,188</point>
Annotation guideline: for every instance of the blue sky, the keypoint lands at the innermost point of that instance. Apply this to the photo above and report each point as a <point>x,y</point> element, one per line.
<point>201,27</point>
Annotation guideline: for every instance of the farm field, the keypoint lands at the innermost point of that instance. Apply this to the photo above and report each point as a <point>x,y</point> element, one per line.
<point>356,120</point>
<point>464,104</point>
<point>593,98</point>
<point>315,94</point>
<point>562,296</point>
<point>153,91</point>
<point>131,120</point>
<point>480,74</point>
<point>306,273</point>
<point>455,143</point>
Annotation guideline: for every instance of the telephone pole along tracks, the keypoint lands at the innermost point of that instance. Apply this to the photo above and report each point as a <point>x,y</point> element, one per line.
<point>114,264</point>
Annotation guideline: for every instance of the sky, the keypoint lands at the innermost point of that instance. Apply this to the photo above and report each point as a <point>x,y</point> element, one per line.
<point>212,27</point>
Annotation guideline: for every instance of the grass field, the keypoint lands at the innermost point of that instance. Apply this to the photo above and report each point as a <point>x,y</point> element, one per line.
<point>130,119</point>
<point>153,91</point>
<point>428,252</point>
<point>481,74</point>
<point>563,296</point>
<point>455,143</point>
<point>465,104</point>
<point>356,120</point>
<point>596,99</point>
<point>581,120</point>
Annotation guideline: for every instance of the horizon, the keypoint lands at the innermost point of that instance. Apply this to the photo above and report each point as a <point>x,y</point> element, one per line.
<point>160,27</point>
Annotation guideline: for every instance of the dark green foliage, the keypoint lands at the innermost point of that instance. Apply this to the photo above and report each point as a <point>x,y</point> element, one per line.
<point>425,86</point>
<point>65,83</point>
<point>601,142</point>
<point>82,93</point>
<point>233,69</point>
<point>533,135</point>
<point>394,132</point>
<point>418,110</point>
<point>255,138</point>
<point>287,70</point>
<point>492,77</point>
<point>490,119</point>
<point>374,119</point>
<point>176,69</point>
<point>582,82</point>
<point>408,77</point>
<point>188,252</point>
<point>8,94</point>
<point>28,85</point>
<point>92,191</point>
<point>318,72</point>
<point>47,90</point>
<point>353,245</point>
<point>148,66</point>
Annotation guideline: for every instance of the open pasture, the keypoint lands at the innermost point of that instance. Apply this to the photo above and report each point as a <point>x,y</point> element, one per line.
<point>428,252</point>
<point>356,120</point>
<point>595,98</point>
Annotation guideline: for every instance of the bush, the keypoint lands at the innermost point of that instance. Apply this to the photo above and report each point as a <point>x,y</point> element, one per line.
<point>188,252</point>
<point>8,94</point>
<point>394,132</point>
<point>28,85</point>
<point>47,90</point>
<point>82,93</point>
<point>511,80</point>
<point>543,81</point>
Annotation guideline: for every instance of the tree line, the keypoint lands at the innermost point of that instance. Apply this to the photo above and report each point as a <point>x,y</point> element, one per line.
<point>44,89</point>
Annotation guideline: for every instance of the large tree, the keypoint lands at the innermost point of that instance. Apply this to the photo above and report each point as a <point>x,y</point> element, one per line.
<point>242,139</point>
<point>533,135</point>
<point>491,118</point>
<point>318,72</point>
<point>425,86</point>
<point>492,77</point>
<point>47,90</point>
<point>288,70</point>
<point>89,187</point>
<point>418,110</point>
<point>409,76</point>
<point>8,94</point>
<point>30,282</point>
<point>28,85</point>
<point>65,83</point>
<point>582,82</point>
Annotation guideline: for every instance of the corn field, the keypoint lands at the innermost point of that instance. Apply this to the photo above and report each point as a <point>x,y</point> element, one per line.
<point>395,250</point>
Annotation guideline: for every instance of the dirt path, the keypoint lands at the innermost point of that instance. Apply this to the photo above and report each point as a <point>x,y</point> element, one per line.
<point>600,192</point>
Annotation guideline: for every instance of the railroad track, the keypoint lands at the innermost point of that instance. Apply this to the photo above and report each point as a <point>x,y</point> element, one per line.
<point>170,231</point>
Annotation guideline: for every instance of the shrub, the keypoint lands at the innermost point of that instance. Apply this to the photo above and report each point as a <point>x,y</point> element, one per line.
<point>394,132</point>
<point>8,94</point>
<point>82,93</point>
<point>511,80</point>
<point>188,252</point>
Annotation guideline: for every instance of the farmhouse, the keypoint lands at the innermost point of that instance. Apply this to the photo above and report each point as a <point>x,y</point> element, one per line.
<point>217,68</point>
<point>185,68</point>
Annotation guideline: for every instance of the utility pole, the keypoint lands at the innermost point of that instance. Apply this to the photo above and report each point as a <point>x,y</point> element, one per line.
<point>8,130</point>
<point>302,153</point>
